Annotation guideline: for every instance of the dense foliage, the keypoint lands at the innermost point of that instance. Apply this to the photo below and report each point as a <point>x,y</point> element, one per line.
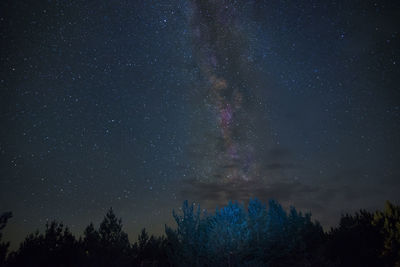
<point>231,236</point>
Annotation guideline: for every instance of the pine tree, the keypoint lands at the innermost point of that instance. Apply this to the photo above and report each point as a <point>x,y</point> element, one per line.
<point>4,245</point>
<point>228,234</point>
<point>388,221</point>
<point>114,243</point>
<point>91,244</point>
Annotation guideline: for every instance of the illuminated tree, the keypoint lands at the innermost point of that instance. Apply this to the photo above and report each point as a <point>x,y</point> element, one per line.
<point>388,221</point>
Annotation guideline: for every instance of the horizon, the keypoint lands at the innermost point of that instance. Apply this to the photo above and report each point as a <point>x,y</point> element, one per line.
<point>133,238</point>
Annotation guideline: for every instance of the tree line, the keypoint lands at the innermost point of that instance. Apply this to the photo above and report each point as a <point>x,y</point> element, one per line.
<point>231,236</point>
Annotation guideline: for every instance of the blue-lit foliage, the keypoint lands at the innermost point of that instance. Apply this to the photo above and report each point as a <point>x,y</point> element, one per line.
<point>236,237</point>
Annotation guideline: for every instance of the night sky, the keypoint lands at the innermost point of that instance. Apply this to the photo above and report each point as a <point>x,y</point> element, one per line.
<point>140,105</point>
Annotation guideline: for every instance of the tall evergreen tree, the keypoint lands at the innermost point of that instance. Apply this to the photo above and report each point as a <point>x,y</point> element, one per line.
<point>356,241</point>
<point>114,243</point>
<point>91,245</point>
<point>3,245</point>
<point>185,243</point>
<point>388,221</point>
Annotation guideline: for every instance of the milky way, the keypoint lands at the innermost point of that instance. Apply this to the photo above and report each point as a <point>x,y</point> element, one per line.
<point>220,47</point>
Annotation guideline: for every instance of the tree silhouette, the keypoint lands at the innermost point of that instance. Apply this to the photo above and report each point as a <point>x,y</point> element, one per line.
<point>184,243</point>
<point>114,243</point>
<point>151,250</point>
<point>388,221</point>
<point>91,245</point>
<point>3,245</point>
<point>56,247</point>
<point>291,239</point>
<point>356,241</point>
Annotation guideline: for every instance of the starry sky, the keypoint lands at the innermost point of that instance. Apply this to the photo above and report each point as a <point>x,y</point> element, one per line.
<point>140,105</point>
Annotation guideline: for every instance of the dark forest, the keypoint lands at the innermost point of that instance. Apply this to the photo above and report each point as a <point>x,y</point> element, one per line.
<point>231,236</point>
